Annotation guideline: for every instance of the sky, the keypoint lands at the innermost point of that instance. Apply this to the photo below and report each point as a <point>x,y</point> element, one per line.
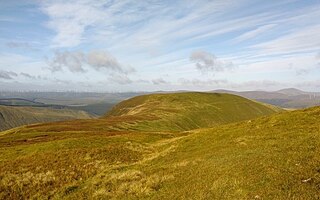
<point>150,45</point>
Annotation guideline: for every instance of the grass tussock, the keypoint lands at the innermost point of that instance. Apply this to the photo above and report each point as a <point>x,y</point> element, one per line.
<point>131,183</point>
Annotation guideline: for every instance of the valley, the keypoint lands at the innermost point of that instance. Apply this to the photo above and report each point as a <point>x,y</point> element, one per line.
<point>14,116</point>
<point>159,100</point>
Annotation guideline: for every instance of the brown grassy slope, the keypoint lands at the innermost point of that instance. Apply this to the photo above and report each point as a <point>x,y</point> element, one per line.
<point>163,112</point>
<point>275,157</point>
<point>119,156</point>
<point>11,116</point>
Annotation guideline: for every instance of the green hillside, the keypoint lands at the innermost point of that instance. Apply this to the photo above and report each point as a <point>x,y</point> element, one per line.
<point>11,116</point>
<point>165,112</point>
<point>274,157</point>
<point>270,157</point>
<point>186,111</point>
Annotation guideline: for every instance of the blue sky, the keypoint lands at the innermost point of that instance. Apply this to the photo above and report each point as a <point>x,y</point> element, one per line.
<point>128,45</point>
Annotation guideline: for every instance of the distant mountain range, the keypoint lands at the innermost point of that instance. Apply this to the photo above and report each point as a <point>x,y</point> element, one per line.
<point>99,103</point>
<point>285,98</point>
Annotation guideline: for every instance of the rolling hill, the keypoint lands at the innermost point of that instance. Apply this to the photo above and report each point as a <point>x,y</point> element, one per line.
<point>268,155</point>
<point>292,92</point>
<point>174,112</point>
<point>11,116</point>
<point>285,98</point>
<point>90,102</point>
<point>275,157</point>
<point>188,110</point>
<point>19,102</point>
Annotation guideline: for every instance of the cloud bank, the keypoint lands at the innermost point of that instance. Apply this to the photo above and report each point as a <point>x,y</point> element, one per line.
<point>8,75</point>
<point>77,61</point>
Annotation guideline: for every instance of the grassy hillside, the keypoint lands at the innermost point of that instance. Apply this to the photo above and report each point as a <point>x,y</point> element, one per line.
<point>165,112</point>
<point>11,116</point>
<point>98,109</point>
<point>271,157</point>
<point>189,110</point>
<point>274,157</point>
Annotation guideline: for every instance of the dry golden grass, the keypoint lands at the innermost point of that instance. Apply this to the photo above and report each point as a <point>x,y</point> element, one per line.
<point>275,157</point>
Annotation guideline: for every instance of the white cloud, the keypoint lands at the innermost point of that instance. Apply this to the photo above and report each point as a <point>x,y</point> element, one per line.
<point>213,84</point>
<point>298,62</point>
<point>301,72</point>
<point>63,82</point>
<point>120,79</point>
<point>198,82</point>
<point>159,81</point>
<point>33,77</point>
<point>157,37</point>
<point>8,59</point>
<point>306,39</point>
<point>74,21</point>
<point>259,85</point>
<point>254,33</point>
<point>102,59</point>
<point>74,61</point>
<point>310,84</point>
<point>207,62</point>
<point>27,75</point>
<point>8,75</point>
<point>71,19</point>
<point>77,61</point>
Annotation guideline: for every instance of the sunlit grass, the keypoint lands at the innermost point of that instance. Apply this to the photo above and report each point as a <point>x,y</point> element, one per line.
<point>119,157</point>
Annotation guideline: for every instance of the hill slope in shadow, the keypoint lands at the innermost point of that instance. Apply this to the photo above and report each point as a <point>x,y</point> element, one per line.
<point>11,116</point>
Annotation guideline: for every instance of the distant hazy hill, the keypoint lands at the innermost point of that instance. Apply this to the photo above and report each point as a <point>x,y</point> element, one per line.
<point>132,153</point>
<point>93,103</point>
<point>91,106</point>
<point>11,116</point>
<point>292,92</point>
<point>285,98</point>
<point>19,102</point>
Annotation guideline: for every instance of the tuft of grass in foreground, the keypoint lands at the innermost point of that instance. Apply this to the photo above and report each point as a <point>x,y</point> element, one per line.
<point>56,168</point>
